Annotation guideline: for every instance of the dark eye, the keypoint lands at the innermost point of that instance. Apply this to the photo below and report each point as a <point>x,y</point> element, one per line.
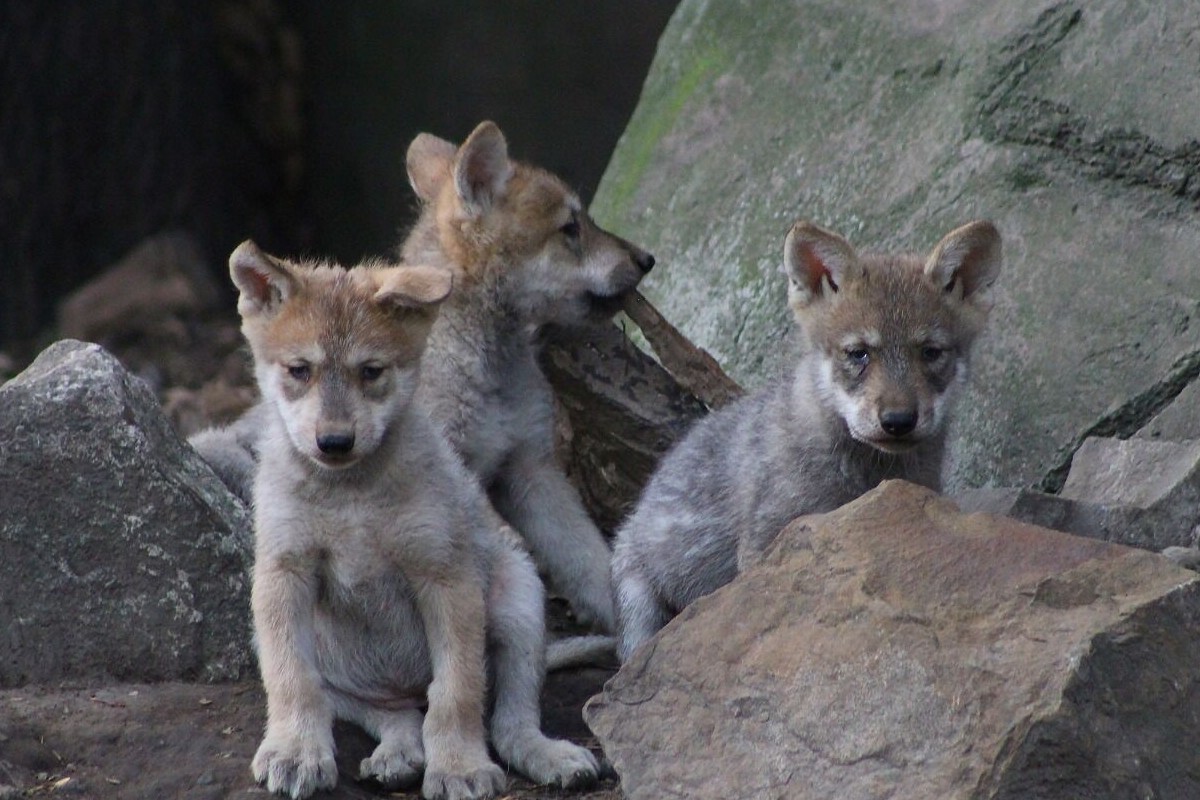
<point>858,356</point>
<point>300,372</point>
<point>370,372</point>
<point>571,229</point>
<point>931,353</point>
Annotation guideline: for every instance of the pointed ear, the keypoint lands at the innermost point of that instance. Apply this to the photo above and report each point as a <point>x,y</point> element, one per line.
<point>966,262</point>
<point>263,282</point>
<point>482,170</point>
<point>414,288</point>
<point>428,162</point>
<point>817,262</point>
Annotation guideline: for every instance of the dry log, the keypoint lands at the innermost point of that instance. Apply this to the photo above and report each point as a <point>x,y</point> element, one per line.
<point>692,366</point>
<point>623,411</point>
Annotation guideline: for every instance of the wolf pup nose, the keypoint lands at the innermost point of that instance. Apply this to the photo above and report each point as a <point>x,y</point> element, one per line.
<point>884,345</point>
<point>336,444</point>
<point>898,423</point>
<point>644,260</point>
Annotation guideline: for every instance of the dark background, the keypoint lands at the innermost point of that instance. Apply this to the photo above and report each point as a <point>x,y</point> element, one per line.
<point>285,122</point>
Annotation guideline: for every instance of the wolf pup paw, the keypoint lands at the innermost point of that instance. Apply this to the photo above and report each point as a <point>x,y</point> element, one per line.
<point>294,767</point>
<point>565,765</point>
<point>478,784</point>
<point>394,768</point>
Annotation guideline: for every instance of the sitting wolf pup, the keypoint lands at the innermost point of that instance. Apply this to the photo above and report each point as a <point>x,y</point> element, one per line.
<point>885,344</point>
<point>524,254</point>
<point>381,584</point>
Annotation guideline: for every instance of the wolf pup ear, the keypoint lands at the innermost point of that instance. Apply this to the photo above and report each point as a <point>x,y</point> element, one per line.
<point>817,262</point>
<point>966,262</point>
<point>428,163</point>
<point>414,288</point>
<point>482,169</point>
<point>262,281</point>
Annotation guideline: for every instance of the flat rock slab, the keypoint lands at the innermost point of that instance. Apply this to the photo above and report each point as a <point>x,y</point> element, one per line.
<point>122,556</point>
<point>897,648</point>
<point>1136,472</point>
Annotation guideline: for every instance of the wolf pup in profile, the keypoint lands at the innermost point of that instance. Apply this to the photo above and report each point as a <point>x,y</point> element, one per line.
<point>381,584</point>
<point>884,350</point>
<point>524,254</point>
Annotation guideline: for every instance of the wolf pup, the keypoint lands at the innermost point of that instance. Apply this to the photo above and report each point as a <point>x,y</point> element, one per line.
<point>524,253</point>
<point>381,584</point>
<point>885,342</point>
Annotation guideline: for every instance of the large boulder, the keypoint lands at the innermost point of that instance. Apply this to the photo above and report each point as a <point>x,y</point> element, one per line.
<point>1071,124</point>
<point>124,557</point>
<point>897,648</point>
<point>1143,491</point>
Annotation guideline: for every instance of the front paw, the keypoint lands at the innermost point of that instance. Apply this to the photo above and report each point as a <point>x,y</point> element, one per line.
<point>294,766</point>
<point>555,762</point>
<point>394,768</point>
<point>480,783</point>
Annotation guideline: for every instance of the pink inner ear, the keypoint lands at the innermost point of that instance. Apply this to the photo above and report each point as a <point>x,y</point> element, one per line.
<point>259,283</point>
<point>815,269</point>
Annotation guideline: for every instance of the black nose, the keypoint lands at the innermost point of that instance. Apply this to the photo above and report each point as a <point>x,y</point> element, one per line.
<point>645,261</point>
<point>898,423</point>
<point>335,444</point>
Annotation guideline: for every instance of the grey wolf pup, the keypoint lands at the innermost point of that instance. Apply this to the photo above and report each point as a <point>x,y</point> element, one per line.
<point>382,584</point>
<point>885,342</point>
<point>524,254</point>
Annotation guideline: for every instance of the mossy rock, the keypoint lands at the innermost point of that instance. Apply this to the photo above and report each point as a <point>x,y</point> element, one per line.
<point>1070,124</point>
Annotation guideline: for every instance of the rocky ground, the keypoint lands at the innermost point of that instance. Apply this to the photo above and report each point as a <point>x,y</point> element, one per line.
<point>195,741</point>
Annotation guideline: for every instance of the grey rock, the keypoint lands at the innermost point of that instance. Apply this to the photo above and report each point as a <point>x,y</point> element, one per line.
<point>1140,492</point>
<point>1118,524</point>
<point>1071,124</point>
<point>1180,420</point>
<point>898,648</point>
<point>122,556</point>
<point>1134,472</point>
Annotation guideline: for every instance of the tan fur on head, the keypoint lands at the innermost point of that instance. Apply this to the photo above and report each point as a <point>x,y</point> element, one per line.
<point>414,287</point>
<point>391,307</point>
<point>262,281</point>
<point>482,169</point>
<point>428,163</point>
<point>966,262</point>
<point>818,262</point>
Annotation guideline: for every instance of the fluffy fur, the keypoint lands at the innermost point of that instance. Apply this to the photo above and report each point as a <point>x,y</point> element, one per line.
<point>524,254</point>
<point>382,584</point>
<point>884,351</point>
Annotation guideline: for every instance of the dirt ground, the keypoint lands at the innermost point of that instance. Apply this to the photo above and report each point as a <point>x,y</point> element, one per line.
<point>193,741</point>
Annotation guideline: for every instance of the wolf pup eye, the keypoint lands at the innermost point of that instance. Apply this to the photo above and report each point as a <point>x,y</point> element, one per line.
<point>299,372</point>
<point>858,356</point>
<point>370,372</point>
<point>571,229</point>
<point>931,353</point>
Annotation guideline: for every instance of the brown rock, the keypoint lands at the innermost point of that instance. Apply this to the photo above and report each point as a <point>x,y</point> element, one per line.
<point>897,648</point>
<point>163,276</point>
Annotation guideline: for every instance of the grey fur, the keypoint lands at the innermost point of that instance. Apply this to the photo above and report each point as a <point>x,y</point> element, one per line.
<point>720,497</point>
<point>231,450</point>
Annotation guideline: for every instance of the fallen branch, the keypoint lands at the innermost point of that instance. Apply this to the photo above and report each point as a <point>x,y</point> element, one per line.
<point>696,370</point>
